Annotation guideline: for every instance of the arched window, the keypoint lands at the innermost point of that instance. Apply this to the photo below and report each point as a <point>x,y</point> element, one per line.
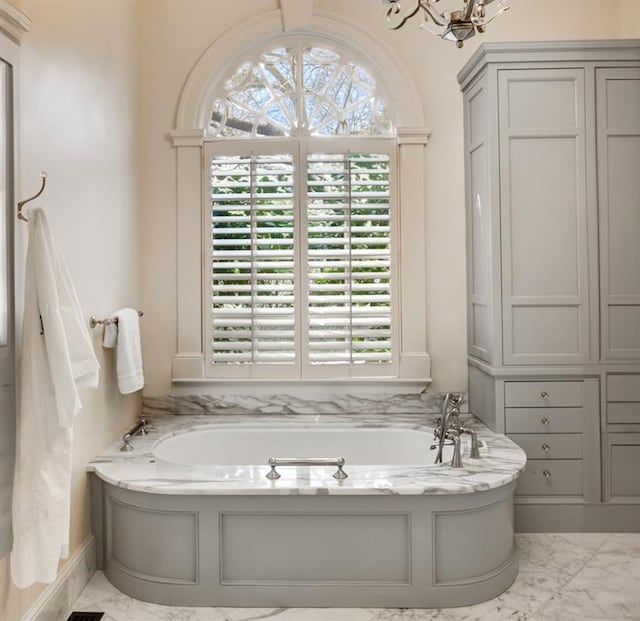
<point>300,90</point>
<point>300,145</point>
<point>301,222</point>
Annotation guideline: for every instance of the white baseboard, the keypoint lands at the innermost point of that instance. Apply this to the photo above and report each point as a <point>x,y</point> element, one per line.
<point>56,600</point>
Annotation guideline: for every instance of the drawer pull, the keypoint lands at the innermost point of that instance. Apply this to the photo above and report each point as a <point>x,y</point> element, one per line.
<point>546,447</point>
<point>544,420</point>
<point>546,474</point>
<point>544,394</point>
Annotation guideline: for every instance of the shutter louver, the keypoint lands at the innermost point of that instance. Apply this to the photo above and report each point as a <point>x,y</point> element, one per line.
<point>252,260</point>
<point>349,259</point>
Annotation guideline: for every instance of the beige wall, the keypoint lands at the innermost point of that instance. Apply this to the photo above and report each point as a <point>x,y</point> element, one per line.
<point>171,43</point>
<point>78,122</point>
<point>630,19</point>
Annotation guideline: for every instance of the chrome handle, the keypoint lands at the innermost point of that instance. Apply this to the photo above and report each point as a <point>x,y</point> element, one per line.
<point>546,474</point>
<point>544,394</point>
<point>141,427</point>
<point>544,420</point>
<point>311,461</point>
<point>545,447</point>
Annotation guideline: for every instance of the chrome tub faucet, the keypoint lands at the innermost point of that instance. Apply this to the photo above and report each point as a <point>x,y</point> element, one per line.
<point>449,428</point>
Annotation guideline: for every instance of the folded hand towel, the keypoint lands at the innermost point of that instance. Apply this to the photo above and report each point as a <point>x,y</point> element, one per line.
<point>129,351</point>
<point>110,336</point>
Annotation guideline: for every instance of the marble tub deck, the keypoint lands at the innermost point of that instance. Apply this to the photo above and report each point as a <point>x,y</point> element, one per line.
<point>500,463</point>
<point>563,577</point>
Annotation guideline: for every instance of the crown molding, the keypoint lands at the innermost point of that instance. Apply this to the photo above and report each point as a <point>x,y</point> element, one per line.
<point>13,21</point>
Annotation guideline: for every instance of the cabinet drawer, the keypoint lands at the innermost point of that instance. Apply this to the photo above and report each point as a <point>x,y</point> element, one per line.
<point>549,420</point>
<point>549,446</point>
<point>623,387</point>
<point>543,394</point>
<point>543,477</point>
<point>623,413</point>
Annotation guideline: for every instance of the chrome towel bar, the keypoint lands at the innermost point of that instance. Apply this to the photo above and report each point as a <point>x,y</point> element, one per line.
<point>93,322</point>
<point>339,474</point>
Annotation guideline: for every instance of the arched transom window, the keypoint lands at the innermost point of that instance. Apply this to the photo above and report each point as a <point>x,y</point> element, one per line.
<point>300,90</point>
<point>301,225</point>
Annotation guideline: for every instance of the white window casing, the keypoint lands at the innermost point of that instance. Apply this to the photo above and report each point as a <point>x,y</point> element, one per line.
<point>190,366</point>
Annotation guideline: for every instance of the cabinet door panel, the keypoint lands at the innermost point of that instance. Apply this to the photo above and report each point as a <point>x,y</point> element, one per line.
<point>543,201</point>
<point>479,287</point>
<point>618,143</point>
<point>624,465</point>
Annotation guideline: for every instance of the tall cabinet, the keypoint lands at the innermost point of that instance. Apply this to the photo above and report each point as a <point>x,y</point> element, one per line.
<point>552,160</point>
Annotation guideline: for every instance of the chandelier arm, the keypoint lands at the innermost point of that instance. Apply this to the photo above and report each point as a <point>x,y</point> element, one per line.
<point>468,10</point>
<point>393,11</point>
<point>440,19</point>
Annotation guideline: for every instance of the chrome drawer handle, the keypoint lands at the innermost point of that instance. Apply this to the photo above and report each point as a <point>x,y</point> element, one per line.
<point>546,447</point>
<point>546,474</point>
<point>544,420</point>
<point>544,394</point>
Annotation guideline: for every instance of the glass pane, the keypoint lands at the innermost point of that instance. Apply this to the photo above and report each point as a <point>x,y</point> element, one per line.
<point>299,90</point>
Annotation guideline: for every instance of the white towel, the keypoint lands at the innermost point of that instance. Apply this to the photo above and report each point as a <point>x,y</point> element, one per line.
<point>128,349</point>
<point>56,357</point>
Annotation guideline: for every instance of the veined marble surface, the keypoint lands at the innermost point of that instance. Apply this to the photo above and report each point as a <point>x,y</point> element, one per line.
<point>501,461</point>
<point>284,404</point>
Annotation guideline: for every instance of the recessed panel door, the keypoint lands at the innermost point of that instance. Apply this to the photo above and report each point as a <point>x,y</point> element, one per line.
<point>618,128</point>
<point>544,216</point>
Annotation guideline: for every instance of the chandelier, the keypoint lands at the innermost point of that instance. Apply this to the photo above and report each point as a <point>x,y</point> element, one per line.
<point>456,26</point>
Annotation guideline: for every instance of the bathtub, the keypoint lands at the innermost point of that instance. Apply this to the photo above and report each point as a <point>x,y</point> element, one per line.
<point>190,518</point>
<point>222,446</point>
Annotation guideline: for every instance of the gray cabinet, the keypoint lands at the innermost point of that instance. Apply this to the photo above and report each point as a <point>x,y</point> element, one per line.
<point>618,151</point>
<point>552,161</point>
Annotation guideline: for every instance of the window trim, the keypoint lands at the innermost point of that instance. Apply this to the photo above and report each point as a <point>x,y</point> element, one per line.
<point>188,137</point>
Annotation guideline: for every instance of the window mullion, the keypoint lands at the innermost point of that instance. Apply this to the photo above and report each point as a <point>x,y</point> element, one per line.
<point>301,258</point>
<point>349,268</point>
<point>254,241</point>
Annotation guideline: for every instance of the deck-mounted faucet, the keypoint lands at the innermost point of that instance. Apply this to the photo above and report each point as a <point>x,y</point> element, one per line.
<point>449,428</point>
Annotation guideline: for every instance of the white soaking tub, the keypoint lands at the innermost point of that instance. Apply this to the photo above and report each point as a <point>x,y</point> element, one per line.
<point>255,445</point>
<point>189,517</point>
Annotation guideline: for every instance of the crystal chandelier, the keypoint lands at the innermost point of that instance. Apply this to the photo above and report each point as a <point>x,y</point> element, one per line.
<point>455,26</point>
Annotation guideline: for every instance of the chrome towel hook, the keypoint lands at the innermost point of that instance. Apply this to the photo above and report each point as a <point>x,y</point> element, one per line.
<point>21,204</point>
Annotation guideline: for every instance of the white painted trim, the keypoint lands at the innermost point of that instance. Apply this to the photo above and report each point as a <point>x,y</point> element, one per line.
<point>413,135</point>
<point>63,581</point>
<point>12,21</point>
<point>296,14</point>
<point>210,70</point>
<point>190,133</point>
<point>402,96</point>
<point>187,137</point>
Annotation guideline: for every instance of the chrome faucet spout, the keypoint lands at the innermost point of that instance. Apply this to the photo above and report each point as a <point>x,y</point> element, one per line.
<point>448,428</point>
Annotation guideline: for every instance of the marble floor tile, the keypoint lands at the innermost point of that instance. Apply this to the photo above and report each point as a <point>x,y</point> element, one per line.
<point>565,553</point>
<point>563,577</point>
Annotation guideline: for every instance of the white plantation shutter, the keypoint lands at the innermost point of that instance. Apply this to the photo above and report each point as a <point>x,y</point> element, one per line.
<point>300,249</point>
<point>252,260</point>
<point>349,259</point>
